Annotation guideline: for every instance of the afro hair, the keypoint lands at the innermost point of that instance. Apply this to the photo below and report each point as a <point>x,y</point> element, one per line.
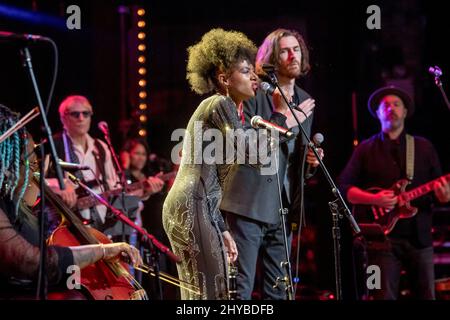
<point>218,50</point>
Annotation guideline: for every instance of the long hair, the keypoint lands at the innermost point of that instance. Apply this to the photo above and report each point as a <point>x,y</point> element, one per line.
<point>269,50</point>
<point>12,152</point>
<point>131,143</point>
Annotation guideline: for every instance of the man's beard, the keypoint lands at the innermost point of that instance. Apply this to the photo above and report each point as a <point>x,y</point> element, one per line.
<point>290,73</point>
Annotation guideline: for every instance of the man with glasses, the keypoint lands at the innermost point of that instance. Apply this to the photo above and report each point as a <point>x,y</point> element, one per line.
<point>74,144</point>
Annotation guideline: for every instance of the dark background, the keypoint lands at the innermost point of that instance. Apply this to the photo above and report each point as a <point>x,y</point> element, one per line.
<point>346,58</point>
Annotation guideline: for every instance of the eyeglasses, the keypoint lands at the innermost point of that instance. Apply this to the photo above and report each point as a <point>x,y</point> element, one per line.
<point>76,114</point>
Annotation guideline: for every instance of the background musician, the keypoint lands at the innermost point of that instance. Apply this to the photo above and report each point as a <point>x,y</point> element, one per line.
<point>381,161</point>
<point>75,145</point>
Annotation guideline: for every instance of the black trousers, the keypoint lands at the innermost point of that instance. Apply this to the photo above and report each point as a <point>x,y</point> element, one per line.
<point>255,238</point>
<point>418,264</point>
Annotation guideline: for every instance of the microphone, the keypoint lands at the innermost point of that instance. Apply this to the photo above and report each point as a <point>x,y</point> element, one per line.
<point>259,122</point>
<point>435,71</point>
<point>71,167</point>
<point>267,88</point>
<point>268,68</point>
<point>103,126</point>
<point>317,139</point>
<point>5,35</point>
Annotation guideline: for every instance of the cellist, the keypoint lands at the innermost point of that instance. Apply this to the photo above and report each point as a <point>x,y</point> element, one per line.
<point>19,254</point>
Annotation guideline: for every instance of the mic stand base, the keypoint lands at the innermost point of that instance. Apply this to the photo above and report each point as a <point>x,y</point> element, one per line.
<point>287,280</point>
<point>152,257</point>
<point>336,231</point>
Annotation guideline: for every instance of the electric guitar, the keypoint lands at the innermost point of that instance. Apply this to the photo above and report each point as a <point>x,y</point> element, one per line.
<point>387,219</point>
<point>89,201</point>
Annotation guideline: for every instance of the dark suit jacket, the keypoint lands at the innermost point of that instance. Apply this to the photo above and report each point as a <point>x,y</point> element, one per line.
<point>248,193</point>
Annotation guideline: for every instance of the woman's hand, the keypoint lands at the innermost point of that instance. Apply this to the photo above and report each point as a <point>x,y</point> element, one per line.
<point>122,249</point>
<point>230,246</point>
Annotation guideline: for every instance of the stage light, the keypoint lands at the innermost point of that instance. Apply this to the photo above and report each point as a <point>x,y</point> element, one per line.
<point>141,59</point>
<point>142,94</point>
<point>143,106</point>
<point>141,24</point>
<point>142,71</point>
<point>142,132</point>
<point>141,12</point>
<point>142,83</point>
<point>141,47</point>
<point>141,35</point>
<point>143,118</point>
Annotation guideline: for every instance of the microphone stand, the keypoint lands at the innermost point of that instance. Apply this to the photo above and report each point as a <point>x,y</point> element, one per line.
<point>120,174</point>
<point>438,82</point>
<point>286,264</point>
<point>42,283</point>
<point>152,257</point>
<point>150,239</point>
<point>337,207</point>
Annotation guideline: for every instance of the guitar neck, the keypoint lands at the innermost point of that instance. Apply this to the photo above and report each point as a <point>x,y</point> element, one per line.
<point>424,189</point>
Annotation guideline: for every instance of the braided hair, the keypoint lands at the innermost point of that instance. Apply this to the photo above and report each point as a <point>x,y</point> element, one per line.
<point>10,157</point>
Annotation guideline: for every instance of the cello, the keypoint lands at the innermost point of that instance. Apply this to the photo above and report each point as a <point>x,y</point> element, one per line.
<point>103,280</point>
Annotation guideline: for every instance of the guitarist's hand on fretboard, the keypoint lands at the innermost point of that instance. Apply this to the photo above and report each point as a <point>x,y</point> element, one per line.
<point>442,190</point>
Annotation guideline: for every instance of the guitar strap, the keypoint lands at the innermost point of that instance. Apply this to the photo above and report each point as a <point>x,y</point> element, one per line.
<point>71,156</point>
<point>409,157</point>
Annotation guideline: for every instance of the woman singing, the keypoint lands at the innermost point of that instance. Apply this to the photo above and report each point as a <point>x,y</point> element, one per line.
<point>221,64</point>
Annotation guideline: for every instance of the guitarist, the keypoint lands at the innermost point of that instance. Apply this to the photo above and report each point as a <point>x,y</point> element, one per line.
<point>380,161</point>
<point>74,144</point>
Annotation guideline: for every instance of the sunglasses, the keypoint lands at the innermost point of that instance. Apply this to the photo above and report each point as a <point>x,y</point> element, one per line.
<point>76,114</point>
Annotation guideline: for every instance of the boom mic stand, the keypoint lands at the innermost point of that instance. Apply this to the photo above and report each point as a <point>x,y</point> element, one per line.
<point>146,237</point>
<point>42,283</point>
<point>437,72</point>
<point>338,206</point>
<point>120,174</point>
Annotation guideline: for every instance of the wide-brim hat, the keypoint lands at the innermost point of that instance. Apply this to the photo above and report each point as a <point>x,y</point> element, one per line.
<point>375,98</point>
